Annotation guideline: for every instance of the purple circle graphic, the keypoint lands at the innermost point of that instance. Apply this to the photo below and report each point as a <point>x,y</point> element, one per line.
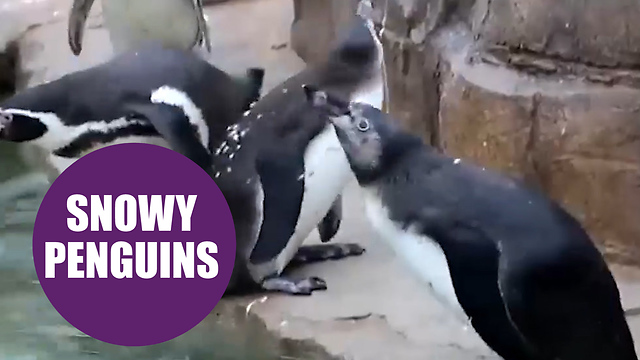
<point>134,244</point>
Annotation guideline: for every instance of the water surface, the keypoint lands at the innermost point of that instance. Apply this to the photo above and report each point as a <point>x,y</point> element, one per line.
<point>31,329</point>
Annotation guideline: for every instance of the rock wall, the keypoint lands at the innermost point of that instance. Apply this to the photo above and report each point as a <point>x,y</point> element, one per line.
<point>316,25</point>
<point>544,90</point>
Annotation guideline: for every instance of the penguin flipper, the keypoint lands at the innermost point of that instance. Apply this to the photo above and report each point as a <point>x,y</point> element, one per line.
<point>566,309</point>
<point>280,165</point>
<point>330,224</point>
<point>474,273</point>
<point>172,124</point>
<point>278,171</point>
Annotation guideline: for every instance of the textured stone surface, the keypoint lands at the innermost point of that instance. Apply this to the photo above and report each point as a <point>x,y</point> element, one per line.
<point>600,33</point>
<point>316,24</point>
<point>542,90</point>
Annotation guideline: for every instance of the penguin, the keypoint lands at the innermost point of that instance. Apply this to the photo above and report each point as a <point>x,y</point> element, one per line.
<point>283,170</point>
<point>138,96</point>
<point>509,260</point>
<point>179,24</point>
<point>279,165</point>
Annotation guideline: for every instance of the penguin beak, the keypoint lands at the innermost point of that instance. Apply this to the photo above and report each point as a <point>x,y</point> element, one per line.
<point>343,123</point>
<point>5,121</point>
<point>320,99</point>
<point>20,128</point>
<point>77,19</point>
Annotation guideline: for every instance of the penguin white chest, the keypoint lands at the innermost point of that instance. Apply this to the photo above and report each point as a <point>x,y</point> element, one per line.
<point>131,22</point>
<point>326,174</point>
<point>420,254</point>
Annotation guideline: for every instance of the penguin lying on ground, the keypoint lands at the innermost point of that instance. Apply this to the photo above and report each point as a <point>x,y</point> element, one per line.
<point>139,96</point>
<point>509,260</point>
<point>287,170</point>
<point>131,23</point>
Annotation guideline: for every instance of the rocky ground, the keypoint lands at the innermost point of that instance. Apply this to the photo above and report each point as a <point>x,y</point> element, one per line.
<point>372,309</point>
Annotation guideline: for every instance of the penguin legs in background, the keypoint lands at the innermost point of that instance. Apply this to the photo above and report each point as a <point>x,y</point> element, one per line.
<point>309,254</point>
<point>328,227</point>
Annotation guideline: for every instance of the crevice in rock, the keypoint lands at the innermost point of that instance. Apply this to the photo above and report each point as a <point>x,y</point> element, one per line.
<point>533,176</point>
<point>435,120</point>
<point>255,326</point>
<point>405,62</point>
<point>543,64</point>
<point>375,320</point>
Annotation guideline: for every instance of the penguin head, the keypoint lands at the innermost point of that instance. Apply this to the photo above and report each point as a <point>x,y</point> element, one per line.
<point>358,45</point>
<point>370,139</point>
<point>21,126</point>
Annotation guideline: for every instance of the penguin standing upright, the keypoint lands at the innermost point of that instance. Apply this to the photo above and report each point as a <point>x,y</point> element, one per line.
<point>287,170</point>
<point>514,263</point>
<point>177,24</point>
<point>166,97</point>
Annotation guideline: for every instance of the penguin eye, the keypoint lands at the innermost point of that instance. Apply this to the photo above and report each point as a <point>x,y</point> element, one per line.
<point>363,125</point>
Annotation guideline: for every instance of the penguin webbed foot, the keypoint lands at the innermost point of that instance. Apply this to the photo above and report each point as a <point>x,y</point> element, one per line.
<point>322,252</point>
<point>305,286</point>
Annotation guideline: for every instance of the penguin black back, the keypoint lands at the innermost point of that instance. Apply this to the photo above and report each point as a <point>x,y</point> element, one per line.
<point>271,155</point>
<point>114,89</point>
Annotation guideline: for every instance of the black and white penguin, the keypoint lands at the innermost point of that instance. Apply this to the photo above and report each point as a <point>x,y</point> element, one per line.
<point>508,259</point>
<point>287,169</point>
<point>280,167</point>
<point>166,97</point>
<point>179,24</point>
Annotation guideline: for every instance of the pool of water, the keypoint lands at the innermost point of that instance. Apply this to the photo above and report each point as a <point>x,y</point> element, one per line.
<point>31,329</point>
